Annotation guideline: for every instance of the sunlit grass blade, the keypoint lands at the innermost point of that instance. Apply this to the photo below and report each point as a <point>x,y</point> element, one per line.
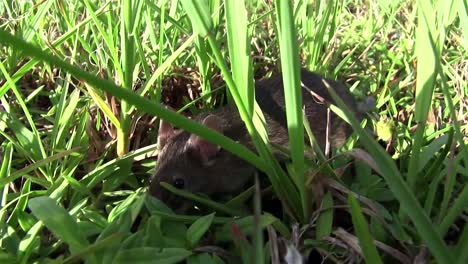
<point>425,81</point>
<point>282,184</point>
<point>34,24</point>
<point>38,151</point>
<point>141,103</point>
<point>64,113</point>
<point>366,241</point>
<point>463,15</point>
<point>19,173</point>
<point>198,12</point>
<point>163,67</point>
<point>293,95</point>
<point>320,26</point>
<point>4,172</point>
<point>128,62</point>
<point>162,33</point>
<point>30,64</point>
<point>239,51</point>
<point>28,244</point>
<point>399,188</point>
<point>449,215</point>
<point>104,107</point>
<point>110,44</point>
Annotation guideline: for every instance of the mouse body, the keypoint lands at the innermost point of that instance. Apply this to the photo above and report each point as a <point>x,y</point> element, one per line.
<point>191,163</point>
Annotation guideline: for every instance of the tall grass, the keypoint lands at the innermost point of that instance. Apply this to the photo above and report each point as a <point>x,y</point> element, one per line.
<point>70,172</point>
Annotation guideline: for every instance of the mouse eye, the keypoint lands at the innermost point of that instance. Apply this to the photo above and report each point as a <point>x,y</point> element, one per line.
<point>179,183</point>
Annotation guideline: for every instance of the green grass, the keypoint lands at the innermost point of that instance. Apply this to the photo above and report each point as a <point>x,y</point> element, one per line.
<point>82,80</point>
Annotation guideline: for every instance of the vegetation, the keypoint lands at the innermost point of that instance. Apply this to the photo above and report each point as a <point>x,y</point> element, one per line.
<point>82,82</point>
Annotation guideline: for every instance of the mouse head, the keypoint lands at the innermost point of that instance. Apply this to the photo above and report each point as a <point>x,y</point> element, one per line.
<point>193,164</point>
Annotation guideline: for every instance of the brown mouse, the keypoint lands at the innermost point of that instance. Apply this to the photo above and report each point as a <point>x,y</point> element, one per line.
<point>191,163</point>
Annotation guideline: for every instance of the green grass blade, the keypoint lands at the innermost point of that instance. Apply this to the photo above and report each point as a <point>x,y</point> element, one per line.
<point>162,32</point>
<point>149,255</point>
<point>188,195</point>
<point>425,81</point>
<point>293,95</point>
<point>28,244</point>
<point>164,66</point>
<point>141,103</point>
<point>57,220</point>
<point>455,211</point>
<point>239,51</point>
<point>104,107</point>
<point>399,188</point>
<point>282,184</point>
<point>198,11</point>
<point>463,15</point>
<point>462,245</point>
<point>39,149</point>
<point>20,173</point>
<point>36,21</point>
<point>325,219</point>
<point>4,171</point>
<point>366,241</point>
<point>196,231</point>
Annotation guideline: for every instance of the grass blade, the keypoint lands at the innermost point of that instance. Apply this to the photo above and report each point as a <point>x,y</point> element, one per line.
<point>362,229</point>
<point>399,188</point>
<point>57,220</point>
<point>293,95</point>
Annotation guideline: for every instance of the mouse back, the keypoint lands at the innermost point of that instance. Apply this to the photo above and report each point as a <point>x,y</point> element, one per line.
<point>193,164</point>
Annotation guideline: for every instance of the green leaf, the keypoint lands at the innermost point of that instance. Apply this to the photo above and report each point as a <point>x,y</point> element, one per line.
<point>103,106</point>
<point>59,222</point>
<point>361,228</point>
<point>463,15</point>
<point>9,240</point>
<point>325,219</point>
<point>121,226</point>
<point>198,12</point>
<point>30,242</point>
<point>153,234</point>
<point>142,104</point>
<point>239,50</point>
<point>152,255</point>
<point>198,229</point>
<point>6,257</point>
<point>399,188</point>
<point>290,68</point>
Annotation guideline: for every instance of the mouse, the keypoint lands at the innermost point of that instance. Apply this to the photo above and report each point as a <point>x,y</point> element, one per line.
<point>191,163</point>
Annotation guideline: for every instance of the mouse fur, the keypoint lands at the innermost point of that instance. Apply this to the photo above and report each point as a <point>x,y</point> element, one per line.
<point>191,163</point>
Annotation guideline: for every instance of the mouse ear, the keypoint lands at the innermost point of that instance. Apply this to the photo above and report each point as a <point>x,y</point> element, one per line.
<point>205,149</point>
<point>165,132</point>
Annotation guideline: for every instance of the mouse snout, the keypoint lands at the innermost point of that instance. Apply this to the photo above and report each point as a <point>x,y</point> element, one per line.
<point>165,196</point>
<point>155,189</point>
